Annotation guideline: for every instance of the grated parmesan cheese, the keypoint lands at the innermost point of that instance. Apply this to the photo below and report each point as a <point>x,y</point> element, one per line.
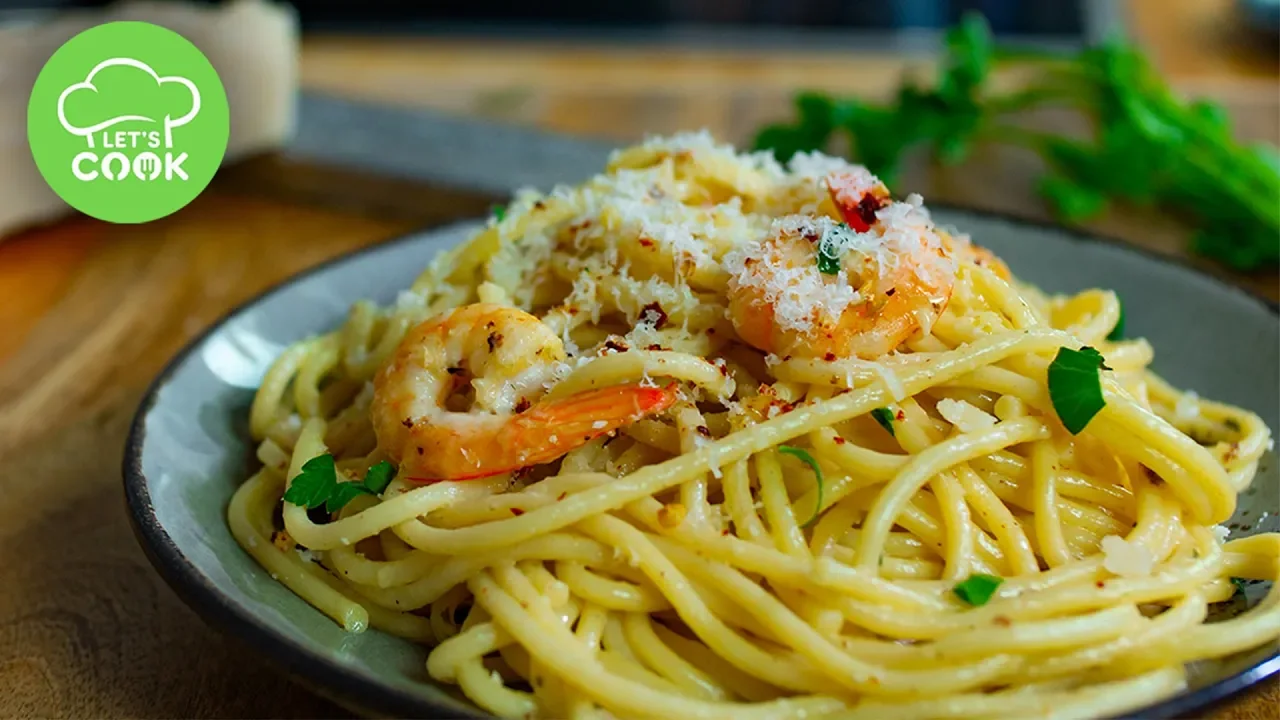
<point>1220,533</point>
<point>1188,407</point>
<point>801,296</point>
<point>964,416</point>
<point>1126,559</point>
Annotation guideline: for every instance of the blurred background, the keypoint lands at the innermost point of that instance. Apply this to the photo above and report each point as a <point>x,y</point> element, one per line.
<point>616,71</point>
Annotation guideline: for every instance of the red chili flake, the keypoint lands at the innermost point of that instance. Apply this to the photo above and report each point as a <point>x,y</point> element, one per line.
<point>900,416</point>
<point>407,422</point>
<point>539,205</point>
<point>867,208</point>
<point>840,440</point>
<point>724,532</point>
<point>655,314</point>
<point>522,405</point>
<point>612,344</point>
<point>420,451</point>
<point>455,371</point>
<point>654,346</point>
<point>890,292</point>
<point>1101,584</point>
<point>646,242</point>
<point>494,339</point>
<point>711,331</point>
<point>829,357</point>
<point>1002,621</point>
<point>517,512</point>
<point>562,496</point>
<point>703,430</point>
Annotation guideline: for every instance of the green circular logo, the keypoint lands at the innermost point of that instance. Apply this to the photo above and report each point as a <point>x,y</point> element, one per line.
<point>128,122</point>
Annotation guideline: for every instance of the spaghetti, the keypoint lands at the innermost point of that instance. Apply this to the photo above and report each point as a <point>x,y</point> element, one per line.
<point>708,436</point>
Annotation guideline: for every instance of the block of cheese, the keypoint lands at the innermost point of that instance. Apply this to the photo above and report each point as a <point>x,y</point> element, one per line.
<point>253,44</point>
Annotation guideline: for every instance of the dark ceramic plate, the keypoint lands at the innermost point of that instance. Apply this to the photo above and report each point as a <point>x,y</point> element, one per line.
<point>189,445</point>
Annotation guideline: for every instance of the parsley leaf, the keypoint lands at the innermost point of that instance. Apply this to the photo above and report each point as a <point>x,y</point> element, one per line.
<point>828,259</point>
<point>499,212</point>
<point>828,264</point>
<point>379,477</point>
<point>313,486</point>
<point>1139,143</point>
<point>884,416</point>
<point>817,473</point>
<point>343,493</point>
<point>317,485</point>
<point>978,589</point>
<point>1117,332</point>
<point>1240,584</point>
<point>1075,386</point>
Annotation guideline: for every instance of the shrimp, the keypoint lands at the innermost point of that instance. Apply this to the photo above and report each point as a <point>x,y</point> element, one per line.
<point>818,288</point>
<point>964,250</point>
<point>502,357</point>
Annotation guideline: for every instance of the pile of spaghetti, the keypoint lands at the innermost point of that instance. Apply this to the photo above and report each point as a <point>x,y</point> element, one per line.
<point>708,436</point>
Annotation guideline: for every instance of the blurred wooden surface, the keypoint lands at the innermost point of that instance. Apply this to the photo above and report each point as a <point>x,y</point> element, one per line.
<point>90,312</point>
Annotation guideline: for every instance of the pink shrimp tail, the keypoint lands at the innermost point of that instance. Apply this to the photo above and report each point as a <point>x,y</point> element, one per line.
<point>552,428</point>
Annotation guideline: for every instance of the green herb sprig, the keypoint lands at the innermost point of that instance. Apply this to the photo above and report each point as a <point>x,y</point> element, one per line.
<point>1145,147</point>
<point>317,484</point>
<point>1075,386</point>
<point>804,456</point>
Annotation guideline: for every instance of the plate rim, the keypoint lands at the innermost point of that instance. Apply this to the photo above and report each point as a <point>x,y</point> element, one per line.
<point>359,691</point>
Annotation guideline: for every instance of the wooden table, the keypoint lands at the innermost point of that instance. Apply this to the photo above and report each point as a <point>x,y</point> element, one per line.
<point>90,312</point>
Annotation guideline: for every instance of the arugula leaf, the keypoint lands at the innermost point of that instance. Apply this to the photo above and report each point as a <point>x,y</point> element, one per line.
<point>1075,386</point>
<point>804,456</point>
<point>978,588</point>
<point>884,416</point>
<point>317,484</point>
<point>1117,332</point>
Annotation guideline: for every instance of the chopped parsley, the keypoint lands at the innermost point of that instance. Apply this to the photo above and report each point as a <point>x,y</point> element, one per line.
<point>317,485</point>
<point>498,212</point>
<point>828,264</point>
<point>1075,386</point>
<point>1240,584</point>
<point>1117,332</point>
<point>978,589</point>
<point>829,248</point>
<point>884,416</point>
<point>817,473</point>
